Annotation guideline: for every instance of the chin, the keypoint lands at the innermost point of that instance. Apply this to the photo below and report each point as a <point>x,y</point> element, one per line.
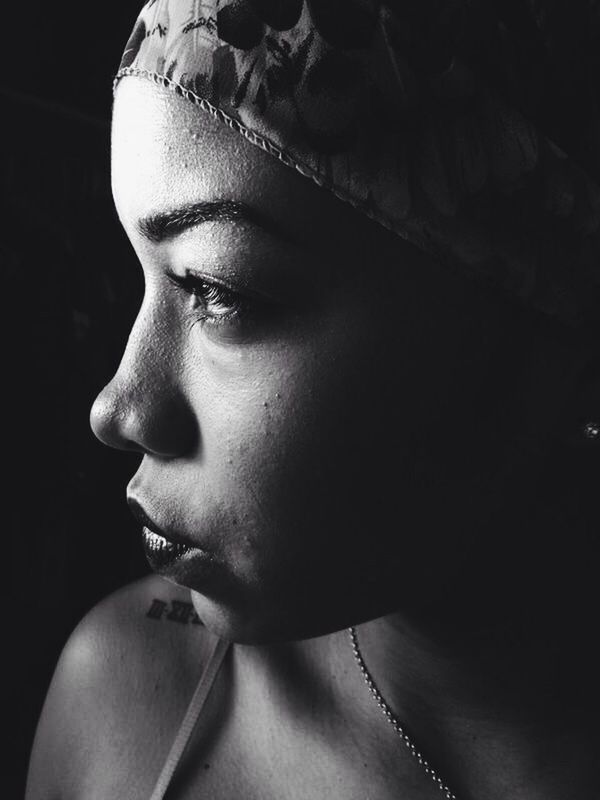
<point>252,623</point>
<point>239,622</point>
<point>273,621</point>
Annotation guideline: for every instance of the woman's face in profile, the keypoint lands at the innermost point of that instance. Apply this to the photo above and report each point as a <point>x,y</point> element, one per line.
<point>284,361</point>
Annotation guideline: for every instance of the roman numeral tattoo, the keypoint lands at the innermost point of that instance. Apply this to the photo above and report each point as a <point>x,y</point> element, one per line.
<point>173,611</point>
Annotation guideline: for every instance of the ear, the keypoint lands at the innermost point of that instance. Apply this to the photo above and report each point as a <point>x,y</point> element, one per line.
<point>581,418</point>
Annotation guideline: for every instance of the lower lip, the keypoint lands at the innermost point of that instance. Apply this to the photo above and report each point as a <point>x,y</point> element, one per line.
<point>180,562</point>
<point>162,552</point>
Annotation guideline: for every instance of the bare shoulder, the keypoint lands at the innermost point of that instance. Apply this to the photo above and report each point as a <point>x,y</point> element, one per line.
<point>119,690</point>
<point>149,622</point>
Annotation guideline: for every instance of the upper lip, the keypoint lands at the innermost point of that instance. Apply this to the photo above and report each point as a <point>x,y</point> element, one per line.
<point>144,519</point>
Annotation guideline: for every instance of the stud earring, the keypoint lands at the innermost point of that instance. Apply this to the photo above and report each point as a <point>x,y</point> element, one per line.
<point>591,431</point>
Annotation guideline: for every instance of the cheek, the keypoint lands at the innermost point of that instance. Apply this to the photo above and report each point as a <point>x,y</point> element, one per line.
<point>289,436</point>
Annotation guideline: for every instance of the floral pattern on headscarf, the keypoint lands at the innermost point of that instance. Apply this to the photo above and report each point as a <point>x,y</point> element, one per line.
<point>428,116</point>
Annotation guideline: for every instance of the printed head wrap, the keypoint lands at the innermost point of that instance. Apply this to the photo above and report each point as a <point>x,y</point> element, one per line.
<point>473,135</point>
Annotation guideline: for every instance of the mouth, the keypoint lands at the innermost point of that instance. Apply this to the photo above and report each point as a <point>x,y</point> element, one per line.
<point>161,551</point>
<point>166,552</point>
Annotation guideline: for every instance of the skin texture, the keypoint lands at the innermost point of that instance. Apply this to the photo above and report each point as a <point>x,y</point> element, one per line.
<point>370,439</point>
<point>361,425</point>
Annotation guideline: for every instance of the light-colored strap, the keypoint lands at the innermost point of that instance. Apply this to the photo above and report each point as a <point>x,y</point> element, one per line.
<point>182,739</point>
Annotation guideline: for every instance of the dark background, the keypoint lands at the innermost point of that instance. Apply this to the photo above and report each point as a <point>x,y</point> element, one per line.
<point>71,287</point>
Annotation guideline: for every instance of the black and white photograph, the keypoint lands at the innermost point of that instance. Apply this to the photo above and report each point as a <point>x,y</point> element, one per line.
<point>303,399</point>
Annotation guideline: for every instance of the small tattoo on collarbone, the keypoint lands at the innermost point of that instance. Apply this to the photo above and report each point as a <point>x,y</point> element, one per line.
<point>173,611</point>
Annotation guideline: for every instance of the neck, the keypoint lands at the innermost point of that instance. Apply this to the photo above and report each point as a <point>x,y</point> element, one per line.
<point>487,704</point>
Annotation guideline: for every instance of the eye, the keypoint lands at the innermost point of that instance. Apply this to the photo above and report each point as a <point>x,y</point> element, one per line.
<point>214,302</point>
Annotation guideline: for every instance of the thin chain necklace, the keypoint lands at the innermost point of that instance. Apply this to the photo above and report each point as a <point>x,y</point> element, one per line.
<point>394,721</point>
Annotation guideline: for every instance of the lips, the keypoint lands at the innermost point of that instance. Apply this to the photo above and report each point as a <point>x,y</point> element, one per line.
<point>174,557</point>
<point>148,523</point>
<point>162,549</point>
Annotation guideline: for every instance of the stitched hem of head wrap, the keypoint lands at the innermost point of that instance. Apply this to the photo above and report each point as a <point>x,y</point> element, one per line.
<point>416,238</point>
<point>268,146</point>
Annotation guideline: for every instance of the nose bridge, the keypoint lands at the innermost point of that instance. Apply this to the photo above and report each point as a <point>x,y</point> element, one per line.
<point>144,406</point>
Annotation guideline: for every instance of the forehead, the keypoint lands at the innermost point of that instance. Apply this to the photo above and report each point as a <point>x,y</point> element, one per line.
<point>164,150</point>
<point>167,152</point>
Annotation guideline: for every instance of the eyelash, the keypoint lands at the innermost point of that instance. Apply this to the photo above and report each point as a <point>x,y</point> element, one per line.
<point>207,293</point>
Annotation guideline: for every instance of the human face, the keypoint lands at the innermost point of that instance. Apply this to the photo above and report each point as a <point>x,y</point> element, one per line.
<point>286,363</point>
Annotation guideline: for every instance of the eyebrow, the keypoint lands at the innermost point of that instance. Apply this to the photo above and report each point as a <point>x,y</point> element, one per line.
<point>165,225</point>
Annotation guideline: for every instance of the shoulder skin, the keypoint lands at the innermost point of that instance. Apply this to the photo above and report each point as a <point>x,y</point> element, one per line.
<point>119,692</point>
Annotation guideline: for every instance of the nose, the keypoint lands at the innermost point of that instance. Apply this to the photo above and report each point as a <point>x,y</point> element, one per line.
<point>144,407</point>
